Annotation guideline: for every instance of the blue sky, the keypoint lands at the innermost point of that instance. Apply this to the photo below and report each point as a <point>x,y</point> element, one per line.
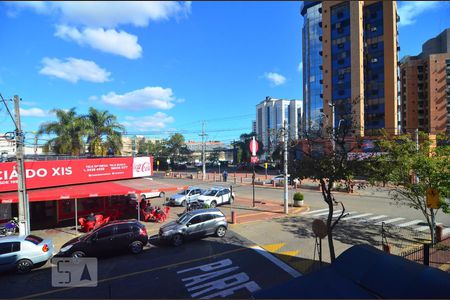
<point>164,67</point>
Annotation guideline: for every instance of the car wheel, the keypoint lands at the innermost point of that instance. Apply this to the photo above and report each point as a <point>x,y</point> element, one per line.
<point>162,195</point>
<point>177,240</point>
<point>213,204</point>
<point>24,266</point>
<point>221,231</point>
<point>136,247</point>
<point>184,203</point>
<point>78,254</point>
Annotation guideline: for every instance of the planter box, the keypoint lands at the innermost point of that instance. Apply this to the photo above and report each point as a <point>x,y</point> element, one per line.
<point>299,203</point>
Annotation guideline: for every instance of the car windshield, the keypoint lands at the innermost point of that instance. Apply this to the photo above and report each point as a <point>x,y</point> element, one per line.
<point>34,239</point>
<point>210,193</point>
<point>184,192</point>
<point>184,218</point>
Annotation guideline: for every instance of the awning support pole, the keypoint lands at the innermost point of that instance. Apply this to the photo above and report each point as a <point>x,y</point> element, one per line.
<point>139,207</point>
<point>76,214</point>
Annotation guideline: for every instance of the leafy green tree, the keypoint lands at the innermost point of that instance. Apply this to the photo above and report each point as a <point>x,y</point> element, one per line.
<point>69,131</point>
<point>319,162</point>
<point>103,132</point>
<point>176,147</point>
<point>412,172</point>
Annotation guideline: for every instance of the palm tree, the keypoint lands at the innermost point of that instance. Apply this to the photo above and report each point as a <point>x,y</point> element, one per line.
<point>104,133</point>
<point>69,130</point>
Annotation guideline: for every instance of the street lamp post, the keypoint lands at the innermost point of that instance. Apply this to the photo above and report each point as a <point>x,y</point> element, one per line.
<point>333,134</point>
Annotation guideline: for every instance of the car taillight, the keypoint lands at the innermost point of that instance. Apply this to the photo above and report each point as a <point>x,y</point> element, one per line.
<point>143,231</point>
<point>45,248</point>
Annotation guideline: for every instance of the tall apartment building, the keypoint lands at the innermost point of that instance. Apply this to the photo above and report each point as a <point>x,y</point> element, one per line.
<point>312,65</point>
<point>359,64</point>
<point>270,116</point>
<point>425,87</point>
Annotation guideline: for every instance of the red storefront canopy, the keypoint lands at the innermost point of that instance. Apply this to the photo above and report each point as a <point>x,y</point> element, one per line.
<point>70,192</point>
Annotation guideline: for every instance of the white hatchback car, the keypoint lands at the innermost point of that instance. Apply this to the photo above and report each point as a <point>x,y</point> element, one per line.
<point>216,196</point>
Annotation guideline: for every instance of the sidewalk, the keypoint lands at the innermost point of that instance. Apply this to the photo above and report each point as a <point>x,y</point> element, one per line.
<point>242,208</point>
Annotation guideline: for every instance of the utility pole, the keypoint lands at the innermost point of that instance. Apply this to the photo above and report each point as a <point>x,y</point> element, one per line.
<point>203,151</point>
<point>35,144</point>
<point>24,210</point>
<point>286,192</point>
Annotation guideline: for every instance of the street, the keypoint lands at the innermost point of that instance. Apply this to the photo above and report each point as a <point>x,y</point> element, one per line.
<point>230,267</point>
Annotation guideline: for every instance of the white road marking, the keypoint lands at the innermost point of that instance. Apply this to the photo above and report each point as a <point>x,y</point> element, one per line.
<point>423,228</point>
<point>357,216</point>
<point>326,213</point>
<point>410,223</point>
<point>294,273</point>
<point>315,211</point>
<point>349,213</point>
<point>390,221</point>
<point>372,219</point>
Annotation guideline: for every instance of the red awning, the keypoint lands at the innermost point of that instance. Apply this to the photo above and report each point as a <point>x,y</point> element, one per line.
<point>100,189</point>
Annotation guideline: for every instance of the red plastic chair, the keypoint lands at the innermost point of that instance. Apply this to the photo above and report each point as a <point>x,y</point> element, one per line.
<point>98,218</point>
<point>89,225</point>
<point>147,215</point>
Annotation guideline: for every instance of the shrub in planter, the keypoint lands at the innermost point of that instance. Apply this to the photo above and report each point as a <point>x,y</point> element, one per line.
<point>298,199</point>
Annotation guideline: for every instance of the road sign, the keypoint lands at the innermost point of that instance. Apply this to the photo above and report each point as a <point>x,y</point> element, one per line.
<point>266,165</point>
<point>157,162</point>
<point>432,198</point>
<point>253,146</point>
<point>254,159</point>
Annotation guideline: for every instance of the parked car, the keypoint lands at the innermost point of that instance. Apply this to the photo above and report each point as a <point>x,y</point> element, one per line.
<point>184,197</point>
<point>279,178</point>
<point>114,236</point>
<point>216,196</point>
<point>148,195</point>
<point>23,253</point>
<point>194,224</point>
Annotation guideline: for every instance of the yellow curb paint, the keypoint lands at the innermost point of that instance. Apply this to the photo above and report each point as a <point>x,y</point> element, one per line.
<point>290,253</point>
<point>273,247</point>
<point>445,267</point>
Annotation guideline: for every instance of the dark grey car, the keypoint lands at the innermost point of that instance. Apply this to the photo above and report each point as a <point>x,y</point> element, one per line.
<point>195,224</point>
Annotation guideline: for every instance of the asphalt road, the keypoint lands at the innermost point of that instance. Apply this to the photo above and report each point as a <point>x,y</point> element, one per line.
<point>372,200</point>
<point>208,268</point>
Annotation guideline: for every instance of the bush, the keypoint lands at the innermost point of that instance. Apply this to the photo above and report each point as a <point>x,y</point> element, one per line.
<point>298,196</point>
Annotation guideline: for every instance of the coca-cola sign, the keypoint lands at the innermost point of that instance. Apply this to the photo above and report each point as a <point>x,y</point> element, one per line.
<point>142,166</point>
<point>40,174</point>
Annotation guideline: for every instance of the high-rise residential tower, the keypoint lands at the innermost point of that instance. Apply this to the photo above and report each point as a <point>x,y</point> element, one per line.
<point>425,87</point>
<point>359,64</point>
<point>312,65</point>
<point>270,116</point>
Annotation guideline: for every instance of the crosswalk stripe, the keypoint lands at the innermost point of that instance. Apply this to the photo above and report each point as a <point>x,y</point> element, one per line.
<point>315,211</point>
<point>357,216</point>
<point>376,218</point>
<point>410,223</point>
<point>273,247</point>
<point>423,228</point>
<point>347,213</point>
<point>326,213</point>
<point>390,221</point>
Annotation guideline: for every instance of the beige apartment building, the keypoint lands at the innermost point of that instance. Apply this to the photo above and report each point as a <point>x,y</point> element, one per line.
<point>425,87</point>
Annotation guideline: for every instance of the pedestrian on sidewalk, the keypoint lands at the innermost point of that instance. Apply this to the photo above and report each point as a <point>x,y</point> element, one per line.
<point>225,175</point>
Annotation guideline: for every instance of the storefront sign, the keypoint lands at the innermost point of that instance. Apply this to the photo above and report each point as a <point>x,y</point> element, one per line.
<point>49,173</point>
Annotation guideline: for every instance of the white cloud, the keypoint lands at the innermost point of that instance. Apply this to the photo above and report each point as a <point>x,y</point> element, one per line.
<point>34,112</point>
<point>158,120</point>
<point>110,41</point>
<point>409,10</point>
<point>148,97</point>
<point>74,69</point>
<point>300,67</point>
<point>275,78</point>
<point>107,14</point>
